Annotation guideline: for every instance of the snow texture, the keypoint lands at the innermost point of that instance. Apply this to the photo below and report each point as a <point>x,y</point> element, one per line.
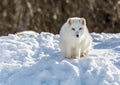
<point>35,59</point>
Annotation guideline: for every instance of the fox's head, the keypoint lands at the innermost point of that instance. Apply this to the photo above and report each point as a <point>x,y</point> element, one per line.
<point>77,26</point>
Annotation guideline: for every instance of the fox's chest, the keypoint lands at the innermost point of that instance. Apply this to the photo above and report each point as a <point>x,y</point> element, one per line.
<point>73,42</point>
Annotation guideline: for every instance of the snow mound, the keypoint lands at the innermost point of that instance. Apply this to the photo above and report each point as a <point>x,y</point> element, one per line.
<point>35,59</point>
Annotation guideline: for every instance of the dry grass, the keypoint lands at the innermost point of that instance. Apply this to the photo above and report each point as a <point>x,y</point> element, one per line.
<point>49,15</point>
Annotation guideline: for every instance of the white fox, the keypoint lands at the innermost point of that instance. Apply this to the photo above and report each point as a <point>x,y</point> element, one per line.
<point>75,39</point>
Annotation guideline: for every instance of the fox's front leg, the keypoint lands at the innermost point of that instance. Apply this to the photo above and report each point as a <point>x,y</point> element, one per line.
<point>78,52</point>
<point>68,52</point>
<point>84,53</point>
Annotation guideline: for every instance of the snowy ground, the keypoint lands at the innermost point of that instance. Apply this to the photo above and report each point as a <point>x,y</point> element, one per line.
<point>35,59</point>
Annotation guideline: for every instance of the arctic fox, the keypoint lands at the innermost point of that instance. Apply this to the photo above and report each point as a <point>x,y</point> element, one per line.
<point>75,39</point>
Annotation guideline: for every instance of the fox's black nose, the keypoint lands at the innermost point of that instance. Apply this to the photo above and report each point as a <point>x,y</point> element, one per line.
<point>77,35</point>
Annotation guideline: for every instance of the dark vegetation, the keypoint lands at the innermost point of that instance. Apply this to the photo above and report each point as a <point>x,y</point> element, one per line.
<point>49,15</point>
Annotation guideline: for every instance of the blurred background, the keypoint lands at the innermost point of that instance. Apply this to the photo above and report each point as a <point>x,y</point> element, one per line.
<point>50,15</point>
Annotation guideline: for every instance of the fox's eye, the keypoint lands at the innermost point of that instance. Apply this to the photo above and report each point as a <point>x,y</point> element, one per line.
<point>80,28</point>
<point>73,29</point>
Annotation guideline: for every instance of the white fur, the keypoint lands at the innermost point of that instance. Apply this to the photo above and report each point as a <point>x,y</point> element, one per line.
<point>71,45</point>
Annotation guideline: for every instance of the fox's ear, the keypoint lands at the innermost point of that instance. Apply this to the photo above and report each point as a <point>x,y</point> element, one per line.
<point>83,21</point>
<point>69,21</point>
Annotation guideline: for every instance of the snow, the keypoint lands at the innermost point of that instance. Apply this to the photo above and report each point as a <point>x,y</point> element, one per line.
<point>35,59</point>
